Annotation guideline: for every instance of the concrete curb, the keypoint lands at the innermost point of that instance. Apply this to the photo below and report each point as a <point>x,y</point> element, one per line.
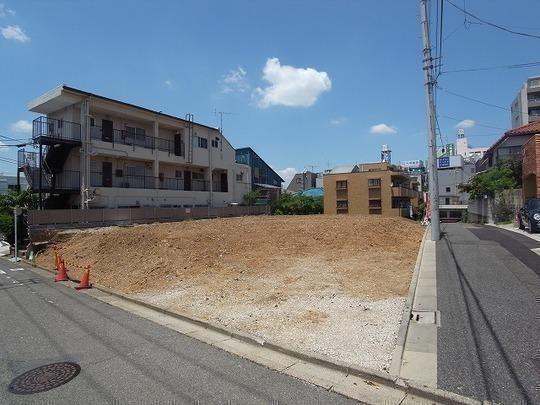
<point>421,392</point>
<point>397,355</point>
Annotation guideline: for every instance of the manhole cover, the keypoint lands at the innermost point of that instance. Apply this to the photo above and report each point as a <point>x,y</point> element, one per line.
<point>44,378</point>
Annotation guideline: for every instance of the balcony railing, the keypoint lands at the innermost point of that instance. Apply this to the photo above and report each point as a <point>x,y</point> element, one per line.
<point>147,182</point>
<point>399,191</point>
<point>129,138</point>
<point>66,180</point>
<point>56,129</point>
<point>219,187</point>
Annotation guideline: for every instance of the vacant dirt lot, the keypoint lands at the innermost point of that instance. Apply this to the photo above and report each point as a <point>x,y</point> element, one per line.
<point>334,285</point>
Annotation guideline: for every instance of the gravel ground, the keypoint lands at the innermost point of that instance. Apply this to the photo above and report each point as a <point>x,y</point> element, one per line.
<point>356,331</point>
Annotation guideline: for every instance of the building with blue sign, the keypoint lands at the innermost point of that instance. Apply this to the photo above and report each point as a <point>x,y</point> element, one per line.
<point>263,178</point>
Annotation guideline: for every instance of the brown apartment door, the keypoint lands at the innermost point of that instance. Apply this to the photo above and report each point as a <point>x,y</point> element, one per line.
<point>187,180</point>
<point>178,144</point>
<point>106,130</point>
<point>107,174</point>
<point>223,182</point>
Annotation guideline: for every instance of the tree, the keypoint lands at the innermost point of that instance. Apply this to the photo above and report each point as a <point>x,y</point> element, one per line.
<point>24,199</point>
<point>251,197</point>
<point>504,176</point>
<point>293,204</point>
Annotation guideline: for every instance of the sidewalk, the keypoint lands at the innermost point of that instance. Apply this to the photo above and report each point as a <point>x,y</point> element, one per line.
<point>419,362</point>
<point>512,227</point>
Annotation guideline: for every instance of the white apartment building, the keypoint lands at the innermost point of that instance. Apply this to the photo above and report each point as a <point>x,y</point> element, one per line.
<point>526,105</point>
<point>469,154</point>
<point>91,151</point>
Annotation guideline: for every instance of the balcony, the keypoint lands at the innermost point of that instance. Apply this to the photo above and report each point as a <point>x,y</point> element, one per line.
<point>48,131</point>
<point>147,182</point>
<point>123,137</point>
<point>534,101</point>
<point>399,191</point>
<point>67,181</point>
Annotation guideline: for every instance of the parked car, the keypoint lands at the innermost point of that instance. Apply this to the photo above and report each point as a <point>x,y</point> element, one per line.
<point>529,215</point>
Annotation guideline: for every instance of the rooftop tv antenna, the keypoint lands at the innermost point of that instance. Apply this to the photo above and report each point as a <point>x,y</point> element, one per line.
<point>221,114</point>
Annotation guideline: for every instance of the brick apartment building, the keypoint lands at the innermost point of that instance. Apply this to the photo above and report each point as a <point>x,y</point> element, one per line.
<point>370,188</point>
<point>531,168</point>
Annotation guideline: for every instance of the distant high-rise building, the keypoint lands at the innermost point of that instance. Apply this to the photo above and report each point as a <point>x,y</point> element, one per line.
<point>469,154</point>
<point>526,106</point>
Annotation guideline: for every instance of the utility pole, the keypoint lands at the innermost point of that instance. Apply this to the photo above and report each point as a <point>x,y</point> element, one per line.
<point>16,212</point>
<point>430,112</point>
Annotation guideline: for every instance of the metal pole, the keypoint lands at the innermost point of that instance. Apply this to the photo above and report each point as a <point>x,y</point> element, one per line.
<point>430,112</point>
<point>40,175</point>
<point>15,212</point>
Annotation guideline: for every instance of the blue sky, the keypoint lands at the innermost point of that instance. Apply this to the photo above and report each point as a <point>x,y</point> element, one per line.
<point>305,81</point>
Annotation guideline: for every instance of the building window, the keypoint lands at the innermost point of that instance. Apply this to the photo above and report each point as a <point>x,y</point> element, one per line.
<point>342,204</point>
<point>448,189</point>
<point>133,134</point>
<point>215,143</point>
<point>447,201</point>
<point>341,185</point>
<point>240,176</point>
<point>375,204</point>
<point>202,142</point>
<point>374,182</point>
<point>92,122</point>
<point>197,176</point>
<point>178,174</point>
<point>299,180</point>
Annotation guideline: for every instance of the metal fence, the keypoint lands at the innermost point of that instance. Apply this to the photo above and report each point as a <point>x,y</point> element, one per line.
<point>75,218</point>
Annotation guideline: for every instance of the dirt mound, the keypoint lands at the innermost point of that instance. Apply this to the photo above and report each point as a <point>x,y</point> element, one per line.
<point>370,256</point>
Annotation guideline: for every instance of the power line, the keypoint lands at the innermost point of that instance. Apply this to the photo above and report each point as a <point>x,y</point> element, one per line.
<point>475,100</point>
<point>440,45</point>
<point>12,139</point>
<point>478,69</point>
<point>475,123</point>
<point>524,34</point>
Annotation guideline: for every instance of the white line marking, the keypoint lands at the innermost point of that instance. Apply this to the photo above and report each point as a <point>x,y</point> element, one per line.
<point>537,251</point>
<point>17,269</point>
<point>2,272</point>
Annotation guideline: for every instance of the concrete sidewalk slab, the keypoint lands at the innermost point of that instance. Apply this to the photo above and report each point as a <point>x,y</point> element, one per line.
<point>419,361</point>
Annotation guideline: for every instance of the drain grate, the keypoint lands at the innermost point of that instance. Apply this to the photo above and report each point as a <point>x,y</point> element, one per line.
<point>44,378</point>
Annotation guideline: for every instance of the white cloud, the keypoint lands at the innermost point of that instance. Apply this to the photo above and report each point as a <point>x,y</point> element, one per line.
<point>290,86</point>
<point>465,124</point>
<point>14,32</point>
<point>22,127</point>
<point>168,83</point>
<point>5,11</point>
<point>382,129</point>
<point>235,81</point>
<point>337,121</point>
<point>287,174</point>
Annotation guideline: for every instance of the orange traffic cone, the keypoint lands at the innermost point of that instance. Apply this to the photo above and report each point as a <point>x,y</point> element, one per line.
<point>62,275</point>
<point>56,260</point>
<point>85,279</point>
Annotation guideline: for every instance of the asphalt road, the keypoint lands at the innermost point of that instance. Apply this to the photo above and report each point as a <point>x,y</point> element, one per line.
<point>123,358</point>
<point>488,292</point>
